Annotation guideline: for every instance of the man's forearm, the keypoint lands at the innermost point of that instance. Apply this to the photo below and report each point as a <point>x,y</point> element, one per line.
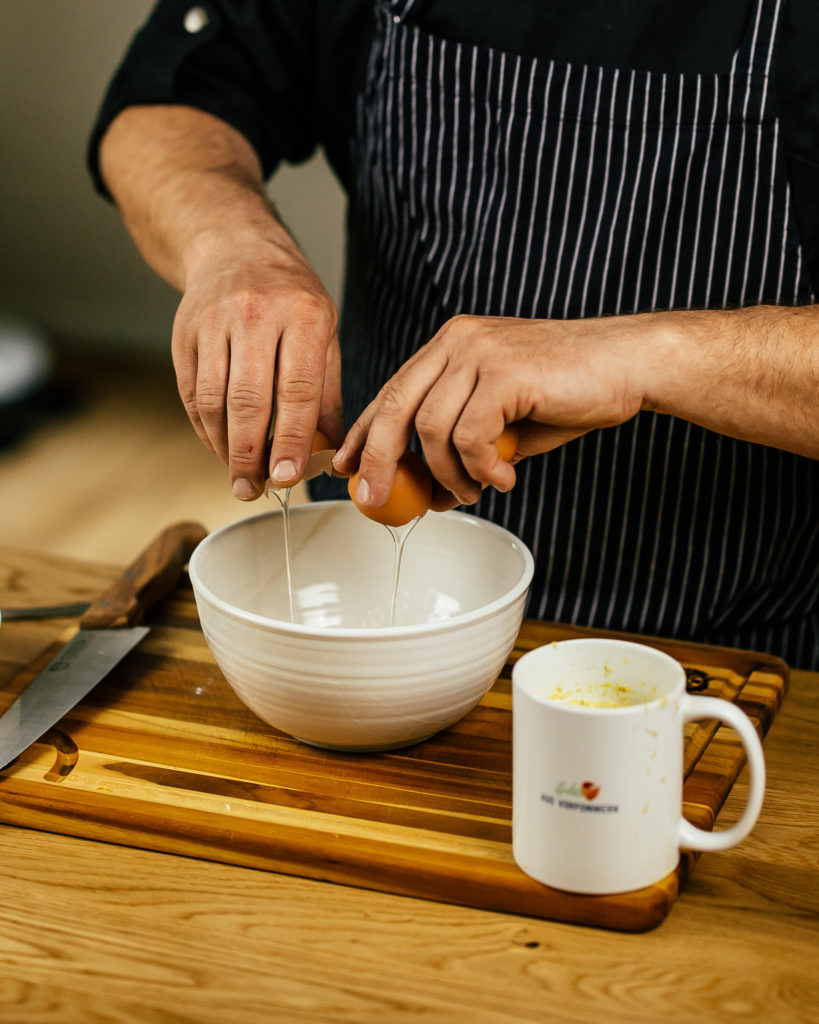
<point>254,321</point>
<point>184,183</point>
<point>750,373</point>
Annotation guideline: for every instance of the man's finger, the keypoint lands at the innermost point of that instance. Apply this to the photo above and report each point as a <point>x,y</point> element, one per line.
<point>331,410</point>
<point>249,403</point>
<point>435,421</point>
<point>479,427</point>
<point>392,422</point>
<point>183,353</point>
<point>299,385</point>
<point>213,368</point>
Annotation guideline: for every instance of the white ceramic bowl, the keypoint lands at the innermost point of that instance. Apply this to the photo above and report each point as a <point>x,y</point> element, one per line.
<point>341,677</point>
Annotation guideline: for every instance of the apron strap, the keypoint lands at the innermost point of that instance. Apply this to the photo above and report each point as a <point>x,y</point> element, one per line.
<point>755,52</point>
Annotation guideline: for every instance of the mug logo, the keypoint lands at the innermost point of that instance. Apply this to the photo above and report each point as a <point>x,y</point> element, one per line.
<point>589,790</point>
<point>584,793</point>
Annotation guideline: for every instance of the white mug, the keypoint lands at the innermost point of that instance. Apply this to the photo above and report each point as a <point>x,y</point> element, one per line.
<point>598,765</point>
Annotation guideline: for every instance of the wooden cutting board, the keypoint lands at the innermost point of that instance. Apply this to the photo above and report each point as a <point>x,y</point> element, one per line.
<point>163,756</point>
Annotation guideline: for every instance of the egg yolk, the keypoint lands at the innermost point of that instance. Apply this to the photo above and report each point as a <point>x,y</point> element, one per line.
<point>410,495</point>
<point>507,443</point>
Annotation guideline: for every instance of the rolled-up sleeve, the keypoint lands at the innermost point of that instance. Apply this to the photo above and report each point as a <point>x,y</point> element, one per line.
<point>250,63</point>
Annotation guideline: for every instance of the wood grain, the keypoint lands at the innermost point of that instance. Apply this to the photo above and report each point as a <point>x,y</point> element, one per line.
<point>169,759</point>
<point>196,941</point>
<point>95,932</point>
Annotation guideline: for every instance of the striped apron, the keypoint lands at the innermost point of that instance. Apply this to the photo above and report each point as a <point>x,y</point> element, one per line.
<point>505,185</point>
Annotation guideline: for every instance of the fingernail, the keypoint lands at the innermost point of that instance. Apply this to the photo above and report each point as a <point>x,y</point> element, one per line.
<point>362,492</point>
<point>283,471</point>
<point>243,489</point>
<point>340,455</point>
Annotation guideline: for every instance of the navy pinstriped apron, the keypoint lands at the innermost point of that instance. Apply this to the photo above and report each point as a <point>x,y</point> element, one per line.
<point>511,186</point>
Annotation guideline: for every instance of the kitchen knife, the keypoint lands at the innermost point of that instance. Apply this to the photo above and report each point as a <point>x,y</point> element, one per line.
<point>47,611</point>
<point>108,631</point>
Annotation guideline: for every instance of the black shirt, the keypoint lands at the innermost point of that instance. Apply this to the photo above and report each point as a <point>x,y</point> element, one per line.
<point>286,73</point>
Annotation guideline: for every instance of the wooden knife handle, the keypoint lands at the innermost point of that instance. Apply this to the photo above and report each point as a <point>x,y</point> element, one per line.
<point>150,578</point>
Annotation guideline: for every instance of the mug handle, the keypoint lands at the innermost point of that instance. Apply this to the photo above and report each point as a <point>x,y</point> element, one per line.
<point>688,835</point>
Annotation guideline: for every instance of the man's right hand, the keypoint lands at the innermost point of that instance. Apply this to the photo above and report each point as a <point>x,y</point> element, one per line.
<point>254,316</point>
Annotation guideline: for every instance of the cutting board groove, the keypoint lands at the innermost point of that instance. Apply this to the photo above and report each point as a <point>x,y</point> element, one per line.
<point>169,759</point>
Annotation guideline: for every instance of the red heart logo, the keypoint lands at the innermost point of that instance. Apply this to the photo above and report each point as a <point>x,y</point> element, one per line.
<point>590,790</point>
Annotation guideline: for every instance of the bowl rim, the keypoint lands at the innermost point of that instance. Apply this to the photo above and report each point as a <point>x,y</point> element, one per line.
<point>486,611</point>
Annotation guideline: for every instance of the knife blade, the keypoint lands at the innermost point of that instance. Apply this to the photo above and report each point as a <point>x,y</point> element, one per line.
<point>108,630</point>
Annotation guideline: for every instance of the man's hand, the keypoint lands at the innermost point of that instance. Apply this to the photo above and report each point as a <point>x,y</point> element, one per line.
<point>751,374</point>
<point>254,319</point>
<point>559,378</point>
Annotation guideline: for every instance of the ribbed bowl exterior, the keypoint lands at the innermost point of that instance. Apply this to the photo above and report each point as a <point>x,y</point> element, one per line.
<point>374,693</point>
<point>327,679</point>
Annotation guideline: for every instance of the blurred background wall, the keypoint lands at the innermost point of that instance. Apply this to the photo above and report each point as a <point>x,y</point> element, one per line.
<point>65,260</point>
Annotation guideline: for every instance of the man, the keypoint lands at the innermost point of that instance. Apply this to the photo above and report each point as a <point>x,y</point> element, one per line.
<point>589,210</point>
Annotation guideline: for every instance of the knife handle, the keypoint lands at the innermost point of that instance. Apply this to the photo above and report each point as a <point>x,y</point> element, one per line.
<point>150,578</point>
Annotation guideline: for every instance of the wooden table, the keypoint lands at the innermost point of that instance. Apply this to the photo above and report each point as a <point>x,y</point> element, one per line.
<point>94,932</point>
